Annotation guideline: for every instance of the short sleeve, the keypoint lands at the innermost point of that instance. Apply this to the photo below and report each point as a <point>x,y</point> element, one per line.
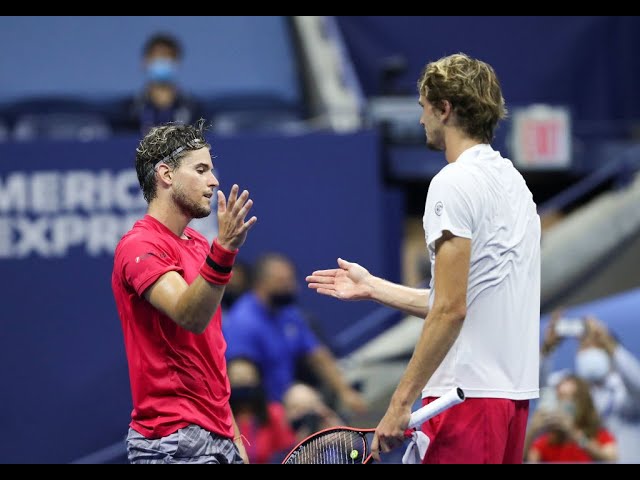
<point>143,262</point>
<point>448,207</point>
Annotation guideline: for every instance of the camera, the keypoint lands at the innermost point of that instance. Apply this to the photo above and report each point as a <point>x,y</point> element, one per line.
<point>570,327</point>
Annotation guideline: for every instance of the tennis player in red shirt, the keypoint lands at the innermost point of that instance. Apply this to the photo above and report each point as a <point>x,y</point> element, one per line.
<point>167,282</point>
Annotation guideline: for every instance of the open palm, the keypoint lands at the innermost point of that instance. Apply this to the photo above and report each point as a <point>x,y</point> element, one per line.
<point>348,282</point>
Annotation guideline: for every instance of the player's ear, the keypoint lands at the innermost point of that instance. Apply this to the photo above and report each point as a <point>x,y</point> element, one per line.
<point>447,109</point>
<point>165,173</point>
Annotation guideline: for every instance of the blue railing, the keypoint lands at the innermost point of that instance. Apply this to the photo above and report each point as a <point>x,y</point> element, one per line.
<point>620,171</point>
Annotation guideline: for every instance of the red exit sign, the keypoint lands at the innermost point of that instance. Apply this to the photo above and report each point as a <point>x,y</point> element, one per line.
<point>541,137</point>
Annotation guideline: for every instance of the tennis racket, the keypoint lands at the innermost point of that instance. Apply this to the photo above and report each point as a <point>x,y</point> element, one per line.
<point>351,445</point>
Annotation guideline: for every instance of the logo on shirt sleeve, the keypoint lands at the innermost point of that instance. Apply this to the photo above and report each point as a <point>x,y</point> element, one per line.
<point>150,254</point>
<point>439,208</point>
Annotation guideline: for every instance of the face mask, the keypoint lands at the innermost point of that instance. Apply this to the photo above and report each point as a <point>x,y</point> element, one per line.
<point>162,70</point>
<point>246,395</point>
<point>279,300</point>
<point>592,364</point>
<point>568,407</point>
<point>309,421</point>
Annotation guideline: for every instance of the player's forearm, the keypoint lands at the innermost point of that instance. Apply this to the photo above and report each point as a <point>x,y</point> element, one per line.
<point>439,333</point>
<point>197,304</point>
<point>412,301</point>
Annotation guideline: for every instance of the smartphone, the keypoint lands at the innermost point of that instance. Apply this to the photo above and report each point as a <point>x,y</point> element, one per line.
<point>570,327</point>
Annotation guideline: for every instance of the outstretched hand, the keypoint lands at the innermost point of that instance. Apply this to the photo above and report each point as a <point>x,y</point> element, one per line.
<point>232,227</point>
<point>348,282</point>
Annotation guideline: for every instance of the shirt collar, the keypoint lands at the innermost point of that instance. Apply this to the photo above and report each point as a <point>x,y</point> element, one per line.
<point>474,152</point>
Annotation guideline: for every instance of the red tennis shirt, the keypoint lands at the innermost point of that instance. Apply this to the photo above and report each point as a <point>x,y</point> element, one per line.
<point>177,377</point>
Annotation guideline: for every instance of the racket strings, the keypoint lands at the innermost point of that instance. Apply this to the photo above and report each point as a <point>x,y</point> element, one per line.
<point>334,447</point>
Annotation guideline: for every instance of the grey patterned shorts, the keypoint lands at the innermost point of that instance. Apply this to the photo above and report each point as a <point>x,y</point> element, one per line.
<point>191,444</point>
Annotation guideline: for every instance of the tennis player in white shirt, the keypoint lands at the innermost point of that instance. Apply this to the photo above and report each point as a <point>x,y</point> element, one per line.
<point>482,310</point>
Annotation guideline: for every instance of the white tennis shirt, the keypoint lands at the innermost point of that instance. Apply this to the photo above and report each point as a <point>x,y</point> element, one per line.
<point>481,196</point>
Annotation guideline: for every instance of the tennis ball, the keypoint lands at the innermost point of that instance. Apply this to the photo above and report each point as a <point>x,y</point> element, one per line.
<point>354,454</point>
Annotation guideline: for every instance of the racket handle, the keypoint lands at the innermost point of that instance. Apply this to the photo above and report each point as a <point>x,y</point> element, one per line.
<point>449,399</point>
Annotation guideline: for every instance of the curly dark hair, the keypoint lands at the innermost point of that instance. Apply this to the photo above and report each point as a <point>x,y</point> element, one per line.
<point>472,88</point>
<point>168,144</point>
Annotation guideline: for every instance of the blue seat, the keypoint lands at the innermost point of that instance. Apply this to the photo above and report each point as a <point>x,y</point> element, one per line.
<point>55,118</point>
<point>254,112</point>
<point>60,126</point>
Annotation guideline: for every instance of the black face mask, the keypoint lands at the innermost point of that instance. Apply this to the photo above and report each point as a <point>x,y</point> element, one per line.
<point>279,300</point>
<point>310,421</point>
<point>246,396</point>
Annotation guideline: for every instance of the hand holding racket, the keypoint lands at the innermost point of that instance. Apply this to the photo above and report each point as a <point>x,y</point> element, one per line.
<point>351,445</point>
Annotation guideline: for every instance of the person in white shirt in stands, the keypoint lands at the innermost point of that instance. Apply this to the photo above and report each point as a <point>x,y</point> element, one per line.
<point>613,374</point>
<point>482,310</point>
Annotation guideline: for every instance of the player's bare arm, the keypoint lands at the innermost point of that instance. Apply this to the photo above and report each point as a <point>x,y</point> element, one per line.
<point>351,281</point>
<point>441,329</point>
<point>192,306</point>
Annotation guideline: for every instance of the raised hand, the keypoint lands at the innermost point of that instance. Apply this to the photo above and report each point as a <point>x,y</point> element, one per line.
<point>348,282</point>
<point>599,334</point>
<point>232,227</point>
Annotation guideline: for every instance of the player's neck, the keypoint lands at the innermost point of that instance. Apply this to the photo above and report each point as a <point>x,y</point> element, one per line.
<point>170,217</point>
<point>456,143</point>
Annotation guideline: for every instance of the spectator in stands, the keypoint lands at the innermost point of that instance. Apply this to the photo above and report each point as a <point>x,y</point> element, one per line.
<point>613,374</point>
<point>264,425</point>
<point>266,326</point>
<point>572,431</point>
<point>307,412</point>
<point>162,100</point>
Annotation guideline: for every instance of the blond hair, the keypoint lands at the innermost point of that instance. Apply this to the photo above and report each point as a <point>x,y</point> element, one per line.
<point>472,88</point>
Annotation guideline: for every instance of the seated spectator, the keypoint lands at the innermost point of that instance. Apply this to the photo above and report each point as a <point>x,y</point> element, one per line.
<point>162,100</point>
<point>266,326</point>
<point>570,431</point>
<point>307,413</point>
<point>613,375</point>
<point>267,433</point>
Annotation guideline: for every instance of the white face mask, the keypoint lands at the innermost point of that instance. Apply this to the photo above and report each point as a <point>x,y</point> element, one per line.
<point>592,364</point>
